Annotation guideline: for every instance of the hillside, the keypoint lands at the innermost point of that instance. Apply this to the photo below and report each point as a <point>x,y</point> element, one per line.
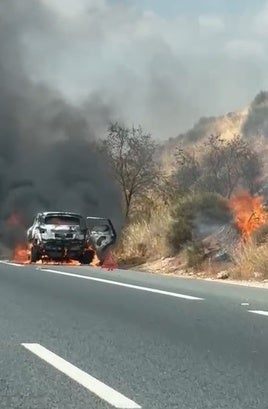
<point>250,122</point>
<point>210,219</point>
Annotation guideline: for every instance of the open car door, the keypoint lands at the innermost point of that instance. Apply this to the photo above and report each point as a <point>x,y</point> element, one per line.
<point>101,234</point>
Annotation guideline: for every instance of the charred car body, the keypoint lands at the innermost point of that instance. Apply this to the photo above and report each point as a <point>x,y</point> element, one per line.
<point>69,236</point>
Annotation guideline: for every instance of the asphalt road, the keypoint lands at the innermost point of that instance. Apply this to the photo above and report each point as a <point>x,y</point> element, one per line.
<point>192,345</point>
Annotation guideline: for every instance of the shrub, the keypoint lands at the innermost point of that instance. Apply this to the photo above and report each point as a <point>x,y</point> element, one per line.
<point>185,216</point>
<point>195,255</point>
<point>180,232</point>
<point>251,262</point>
<point>145,238</point>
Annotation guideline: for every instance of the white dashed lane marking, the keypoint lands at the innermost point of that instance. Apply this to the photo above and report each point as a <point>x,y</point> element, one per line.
<point>10,263</point>
<point>120,284</point>
<point>95,386</point>
<point>259,312</point>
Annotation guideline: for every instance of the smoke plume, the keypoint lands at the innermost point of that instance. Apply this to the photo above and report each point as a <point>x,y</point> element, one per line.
<point>257,120</point>
<point>48,159</point>
<point>159,68</point>
<point>68,67</point>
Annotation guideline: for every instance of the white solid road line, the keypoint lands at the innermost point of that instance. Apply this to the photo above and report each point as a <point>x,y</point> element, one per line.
<point>103,391</point>
<point>259,312</point>
<point>135,287</point>
<point>9,263</point>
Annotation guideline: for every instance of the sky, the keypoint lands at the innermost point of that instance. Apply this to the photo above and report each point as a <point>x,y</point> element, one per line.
<point>159,63</point>
<point>195,7</point>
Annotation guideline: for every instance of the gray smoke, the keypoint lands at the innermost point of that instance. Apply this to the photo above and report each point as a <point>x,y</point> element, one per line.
<point>48,156</point>
<point>159,69</point>
<point>206,222</point>
<point>257,120</point>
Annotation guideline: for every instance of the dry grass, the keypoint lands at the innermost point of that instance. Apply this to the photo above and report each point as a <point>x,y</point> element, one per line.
<point>143,240</point>
<point>251,262</point>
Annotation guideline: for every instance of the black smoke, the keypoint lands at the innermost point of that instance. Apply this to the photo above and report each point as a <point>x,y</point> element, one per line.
<point>48,155</point>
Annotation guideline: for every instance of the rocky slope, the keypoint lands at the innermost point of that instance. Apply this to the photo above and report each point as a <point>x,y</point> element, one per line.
<point>251,123</point>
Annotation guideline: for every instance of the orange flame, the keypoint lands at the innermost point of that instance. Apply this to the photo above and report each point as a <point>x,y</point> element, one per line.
<point>249,213</point>
<point>45,261</point>
<point>21,254</point>
<point>95,262</point>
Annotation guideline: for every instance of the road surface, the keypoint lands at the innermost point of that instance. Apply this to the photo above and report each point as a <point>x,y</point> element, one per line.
<point>79,337</point>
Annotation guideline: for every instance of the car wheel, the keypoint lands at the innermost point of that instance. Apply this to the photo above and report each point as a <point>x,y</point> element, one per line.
<point>87,257</point>
<point>34,254</point>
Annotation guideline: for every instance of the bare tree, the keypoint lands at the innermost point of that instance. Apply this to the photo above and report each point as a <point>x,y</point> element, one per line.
<point>188,169</point>
<point>131,154</point>
<point>229,164</point>
<point>222,167</point>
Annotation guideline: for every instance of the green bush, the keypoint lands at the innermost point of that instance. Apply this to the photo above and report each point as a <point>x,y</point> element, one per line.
<point>195,255</point>
<point>180,232</point>
<point>186,210</point>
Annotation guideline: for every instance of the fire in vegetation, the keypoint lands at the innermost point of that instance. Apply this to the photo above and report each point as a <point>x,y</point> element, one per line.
<point>249,213</point>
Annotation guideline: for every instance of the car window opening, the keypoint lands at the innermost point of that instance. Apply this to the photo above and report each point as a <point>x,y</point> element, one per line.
<point>62,220</point>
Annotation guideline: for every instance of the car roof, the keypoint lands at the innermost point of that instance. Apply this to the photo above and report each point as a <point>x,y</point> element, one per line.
<point>57,213</point>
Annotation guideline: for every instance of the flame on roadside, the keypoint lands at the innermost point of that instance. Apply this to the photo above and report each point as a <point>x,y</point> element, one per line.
<point>21,254</point>
<point>249,213</point>
<point>46,261</point>
<point>95,262</point>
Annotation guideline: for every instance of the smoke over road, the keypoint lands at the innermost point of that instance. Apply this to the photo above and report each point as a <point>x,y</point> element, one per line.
<point>48,159</point>
<point>159,68</point>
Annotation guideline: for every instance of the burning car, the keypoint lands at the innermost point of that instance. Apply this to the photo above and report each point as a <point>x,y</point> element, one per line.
<point>63,236</point>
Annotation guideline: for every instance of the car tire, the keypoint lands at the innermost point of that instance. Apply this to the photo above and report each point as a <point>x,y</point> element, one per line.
<point>87,257</point>
<point>34,254</point>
